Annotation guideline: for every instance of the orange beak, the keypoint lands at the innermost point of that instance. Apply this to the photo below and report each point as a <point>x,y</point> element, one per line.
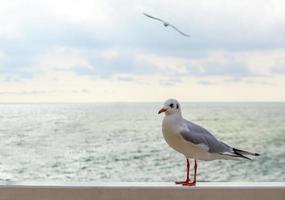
<point>162,110</point>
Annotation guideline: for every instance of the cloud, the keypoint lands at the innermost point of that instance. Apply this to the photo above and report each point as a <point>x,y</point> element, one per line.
<point>278,70</point>
<point>32,92</point>
<point>80,91</point>
<point>106,62</point>
<point>126,78</point>
<point>112,24</point>
<point>172,81</point>
<point>204,82</point>
<point>234,65</point>
<point>219,63</point>
<point>259,82</point>
<point>73,46</point>
<point>163,64</point>
<point>61,59</point>
<point>232,80</point>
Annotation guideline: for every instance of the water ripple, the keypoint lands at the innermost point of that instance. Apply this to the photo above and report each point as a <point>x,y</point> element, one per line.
<point>123,142</point>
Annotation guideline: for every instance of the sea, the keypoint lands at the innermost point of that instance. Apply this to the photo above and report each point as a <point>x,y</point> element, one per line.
<point>123,142</point>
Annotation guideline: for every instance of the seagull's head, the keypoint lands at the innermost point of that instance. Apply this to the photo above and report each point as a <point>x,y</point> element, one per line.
<point>171,106</point>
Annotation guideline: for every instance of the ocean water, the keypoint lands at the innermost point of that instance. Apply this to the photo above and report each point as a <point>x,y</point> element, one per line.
<point>124,142</point>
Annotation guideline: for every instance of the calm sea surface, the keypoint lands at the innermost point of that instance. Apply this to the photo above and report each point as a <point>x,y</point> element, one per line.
<point>124,142</point>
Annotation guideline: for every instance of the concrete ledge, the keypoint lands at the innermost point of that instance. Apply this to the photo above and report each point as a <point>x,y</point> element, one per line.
<point>142,191</point>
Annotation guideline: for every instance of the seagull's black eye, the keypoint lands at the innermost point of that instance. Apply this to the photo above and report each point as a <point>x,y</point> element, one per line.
<point>171,105</point>
<point>177,106</point>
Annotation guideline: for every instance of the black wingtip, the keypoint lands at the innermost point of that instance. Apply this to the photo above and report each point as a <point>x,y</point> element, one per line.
<point>236,151</point>
<point>245,152</point>
<point>242,156</point>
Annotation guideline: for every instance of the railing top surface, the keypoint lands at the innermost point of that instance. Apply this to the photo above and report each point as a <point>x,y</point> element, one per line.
<point>144,184</point>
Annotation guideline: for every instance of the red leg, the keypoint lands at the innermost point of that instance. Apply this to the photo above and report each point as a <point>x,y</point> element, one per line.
<point>187,175</point>
<point>193,183</point>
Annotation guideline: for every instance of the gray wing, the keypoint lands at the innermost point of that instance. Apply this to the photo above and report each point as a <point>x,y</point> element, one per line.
<point>199,135</point>
<point>179,31</point>
<point>153,17</point>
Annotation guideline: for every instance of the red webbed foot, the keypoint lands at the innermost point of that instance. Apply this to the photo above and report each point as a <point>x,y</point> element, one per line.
<point>189,184</point>
<point>181,182</point>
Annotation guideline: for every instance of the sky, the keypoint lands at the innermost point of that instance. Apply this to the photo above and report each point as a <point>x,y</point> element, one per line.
<point>108,51</point>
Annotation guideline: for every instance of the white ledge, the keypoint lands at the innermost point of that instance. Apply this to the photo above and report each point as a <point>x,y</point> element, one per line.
<point>142,191</point>
<point>143,184</point>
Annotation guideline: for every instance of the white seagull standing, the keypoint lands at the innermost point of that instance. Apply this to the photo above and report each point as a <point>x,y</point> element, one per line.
<point>167,24</point>
<point>194,141</point>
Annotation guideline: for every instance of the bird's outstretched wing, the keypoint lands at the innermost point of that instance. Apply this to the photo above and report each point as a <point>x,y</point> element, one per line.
<point>167,24</point>
<point>154,17</point>
<point>179,30</point>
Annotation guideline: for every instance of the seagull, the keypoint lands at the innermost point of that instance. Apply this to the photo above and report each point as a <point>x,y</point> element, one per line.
<point>194,141</point>
<point>167,24</point>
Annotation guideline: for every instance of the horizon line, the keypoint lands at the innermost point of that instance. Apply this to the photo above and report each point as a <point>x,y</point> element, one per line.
<point>106,102</point>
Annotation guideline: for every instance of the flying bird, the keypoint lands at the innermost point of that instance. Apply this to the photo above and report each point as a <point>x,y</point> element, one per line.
<point>167,24</point>
<point>194,141</point>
